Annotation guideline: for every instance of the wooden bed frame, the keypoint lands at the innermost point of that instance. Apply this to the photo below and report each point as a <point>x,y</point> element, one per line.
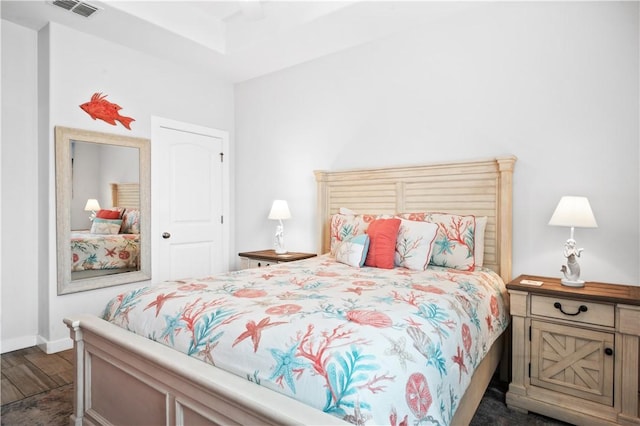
<point>123,378</point>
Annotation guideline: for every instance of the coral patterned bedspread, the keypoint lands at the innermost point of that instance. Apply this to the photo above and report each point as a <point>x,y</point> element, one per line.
<point>98,251</point>
<point>371,346</point>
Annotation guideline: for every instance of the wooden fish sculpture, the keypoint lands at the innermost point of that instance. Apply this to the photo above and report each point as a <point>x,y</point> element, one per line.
<point>99,107</point>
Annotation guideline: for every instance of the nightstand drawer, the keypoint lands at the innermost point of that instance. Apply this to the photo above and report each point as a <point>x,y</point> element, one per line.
<point>259,263</point>
<point>589,312</point>
<point>574,310</point>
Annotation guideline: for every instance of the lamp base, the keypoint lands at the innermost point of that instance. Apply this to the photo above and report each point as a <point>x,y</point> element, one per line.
<point>279,240</point>
<point>572,283</point>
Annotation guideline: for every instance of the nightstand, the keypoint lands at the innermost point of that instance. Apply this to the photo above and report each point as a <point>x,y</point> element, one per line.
<point>257,259</point>
<point>575,351</point>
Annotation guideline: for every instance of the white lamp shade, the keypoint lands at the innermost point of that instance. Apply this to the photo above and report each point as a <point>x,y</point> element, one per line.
<point>279,210</point>
<point>92,205</point>
<point>575,212</point>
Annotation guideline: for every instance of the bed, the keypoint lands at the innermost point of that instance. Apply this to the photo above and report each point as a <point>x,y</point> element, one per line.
<point>122,377</point>
<point>113,242</point>
<point>91,252</point>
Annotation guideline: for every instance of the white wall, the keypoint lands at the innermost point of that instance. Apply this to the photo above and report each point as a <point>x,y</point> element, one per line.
<point>548,82</point>
<point>18,197</point>
<point>95,167</point>
<point>119,165</point>
<point>554,83</point>
<point>85,180</point>
<point>72,66</point>
<point>144,87</point>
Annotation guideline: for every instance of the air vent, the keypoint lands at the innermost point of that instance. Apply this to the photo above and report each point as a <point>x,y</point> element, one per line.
<point>84,9</point>
<point>79,7</point>
<point>65,4</point>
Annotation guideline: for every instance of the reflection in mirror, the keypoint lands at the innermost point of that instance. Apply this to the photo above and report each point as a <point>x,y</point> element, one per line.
<point>105,207</point>
<point>102,188</point>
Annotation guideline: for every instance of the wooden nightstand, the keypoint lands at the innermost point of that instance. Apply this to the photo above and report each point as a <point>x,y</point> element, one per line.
<point>257,259</point>
<point>575,351</point>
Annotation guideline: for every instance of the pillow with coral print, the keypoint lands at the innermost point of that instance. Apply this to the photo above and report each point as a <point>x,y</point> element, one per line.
<point>454,244</point>
<point>345,226</point>
<point>130,222</point>
<point>353,251</point>
<point>414,244</point>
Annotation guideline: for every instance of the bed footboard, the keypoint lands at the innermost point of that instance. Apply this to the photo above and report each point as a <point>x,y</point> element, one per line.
<point>122,378</point>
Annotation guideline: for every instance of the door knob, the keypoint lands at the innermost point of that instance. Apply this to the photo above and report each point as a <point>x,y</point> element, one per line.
<point>166,235</point>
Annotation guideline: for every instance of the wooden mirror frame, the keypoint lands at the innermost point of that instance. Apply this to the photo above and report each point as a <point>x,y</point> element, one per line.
<point>63,138</point>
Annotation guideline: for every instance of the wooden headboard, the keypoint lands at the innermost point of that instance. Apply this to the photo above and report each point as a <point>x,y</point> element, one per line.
<point>125,195</point>
<point>481,188</point>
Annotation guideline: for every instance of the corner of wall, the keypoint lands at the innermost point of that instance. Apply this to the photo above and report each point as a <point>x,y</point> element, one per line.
<point>46,197</point>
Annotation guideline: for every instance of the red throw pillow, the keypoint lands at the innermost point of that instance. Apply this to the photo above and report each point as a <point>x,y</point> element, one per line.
<point>383,234</point>
<point>108,214</point>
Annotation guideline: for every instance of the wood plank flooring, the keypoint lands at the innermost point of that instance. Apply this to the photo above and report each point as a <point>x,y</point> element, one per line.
<point>30,371</point>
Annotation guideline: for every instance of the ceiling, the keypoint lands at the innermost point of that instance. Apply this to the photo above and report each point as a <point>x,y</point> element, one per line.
<point>240,39</point>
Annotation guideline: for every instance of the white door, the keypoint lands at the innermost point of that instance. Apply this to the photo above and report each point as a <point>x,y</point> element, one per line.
<point>189,200</point>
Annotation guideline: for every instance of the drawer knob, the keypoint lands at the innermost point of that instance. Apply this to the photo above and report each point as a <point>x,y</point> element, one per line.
<point>608,351</point>
<point>581,308</point>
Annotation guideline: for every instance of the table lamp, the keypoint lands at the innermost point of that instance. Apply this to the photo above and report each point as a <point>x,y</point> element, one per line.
<point>279,211</point>
<point>574,212</point>
<point>91,206</point>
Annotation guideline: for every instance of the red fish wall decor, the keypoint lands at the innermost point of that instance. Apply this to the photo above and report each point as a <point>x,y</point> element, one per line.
<point>99,107</point>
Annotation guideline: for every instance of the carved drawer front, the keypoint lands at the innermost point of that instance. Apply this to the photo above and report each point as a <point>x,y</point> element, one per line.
<point>573,310</point>
<point>573,361</point>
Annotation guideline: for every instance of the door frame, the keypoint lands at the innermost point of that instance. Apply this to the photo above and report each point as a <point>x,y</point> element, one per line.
<point>158,123</point>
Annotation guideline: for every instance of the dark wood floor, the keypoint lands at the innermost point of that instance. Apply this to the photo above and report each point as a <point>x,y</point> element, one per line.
<point>30,371</point>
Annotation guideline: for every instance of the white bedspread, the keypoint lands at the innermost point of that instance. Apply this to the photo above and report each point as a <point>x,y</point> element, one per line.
<point>371,346</point>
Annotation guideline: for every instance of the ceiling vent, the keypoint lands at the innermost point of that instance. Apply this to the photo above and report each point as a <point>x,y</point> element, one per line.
<point>79,7</point>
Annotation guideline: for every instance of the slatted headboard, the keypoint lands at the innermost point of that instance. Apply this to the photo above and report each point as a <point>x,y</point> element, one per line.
<point>481,188</point>
<point>125,195</point>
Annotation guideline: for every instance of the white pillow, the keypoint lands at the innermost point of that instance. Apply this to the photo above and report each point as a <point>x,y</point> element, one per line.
<point>466,255</point>
<point>106,226</point>
<point>353,251</point>
<point>414,244</point>
<point>347,211</point>
<point>478,237</point>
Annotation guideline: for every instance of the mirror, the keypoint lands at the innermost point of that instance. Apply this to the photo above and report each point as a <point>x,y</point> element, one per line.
<point>103,185</point>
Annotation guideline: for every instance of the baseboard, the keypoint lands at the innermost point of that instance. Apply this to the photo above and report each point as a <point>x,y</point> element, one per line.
<point>10,345</point>
<point>51,347</point>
